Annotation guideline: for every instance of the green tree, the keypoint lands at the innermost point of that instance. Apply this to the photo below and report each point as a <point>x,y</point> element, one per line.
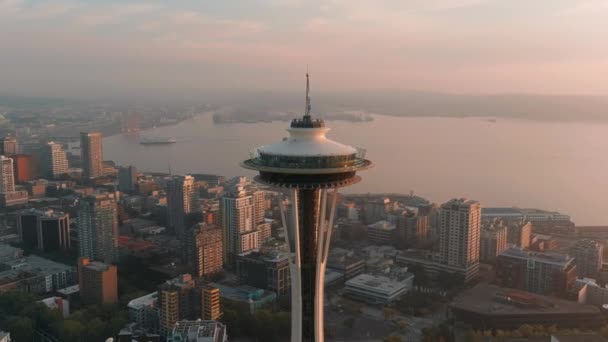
<point>349,322</point>
<point>73,331</point>
<point>21,329</point>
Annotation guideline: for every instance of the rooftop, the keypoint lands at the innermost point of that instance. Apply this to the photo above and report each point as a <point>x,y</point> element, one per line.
<point>144,301</point>
<point>244,293</point>
<point>199,330</point>
<point>383,225</point>
<point>36,264</point>
<point>273,256</point>
<point>97,266</point>
<point>378,283</point>
<point>494,300</point>
<point>562,260</point>
<point>459,202</point>
<point>69,290</point>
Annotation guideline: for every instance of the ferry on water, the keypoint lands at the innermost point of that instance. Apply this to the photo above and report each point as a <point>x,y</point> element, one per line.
<point>157,141</point>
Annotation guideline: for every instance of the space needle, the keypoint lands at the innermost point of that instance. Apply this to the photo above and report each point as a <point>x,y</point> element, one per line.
<point>311,168</point>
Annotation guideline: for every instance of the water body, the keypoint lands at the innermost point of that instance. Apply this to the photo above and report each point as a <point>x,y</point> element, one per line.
<point>549,165</point>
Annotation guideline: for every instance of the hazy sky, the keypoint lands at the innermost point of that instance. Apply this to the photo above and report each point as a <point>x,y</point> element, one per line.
<point>64,47</point>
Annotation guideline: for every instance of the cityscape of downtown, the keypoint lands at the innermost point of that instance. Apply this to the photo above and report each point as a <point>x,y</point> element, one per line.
<point>105,237</point>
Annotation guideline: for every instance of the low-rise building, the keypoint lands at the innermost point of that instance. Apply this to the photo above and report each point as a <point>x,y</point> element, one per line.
<point>544,273</point>
<point>144,312</point>
<point>245,297</point>
<point>269,271</point>
<point>382,232</point>
<point>13,198</point>
<point>52,275</point>
<point>588,257</point>
<point>346,263</point>
<point>378,289</point>
<point>493,307</point>
<point>432,266</point>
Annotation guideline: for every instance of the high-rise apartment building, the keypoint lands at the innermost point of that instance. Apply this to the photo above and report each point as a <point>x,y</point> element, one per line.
<point>91,147</point>
<point>98,228</point>
<point>7,175</point>
<point>46,230</point>
<point>127,178</point>
<point>24,167</point>
<point>98,282</point>
<point>459,235</point>
<point>205,250</point>
<point>241,212</point>
<point>544,273</point>
<point>519,233</point>
<point>182,298</point>
<point>588,257</point>
<point>412,226</point>
<point>493,240</point>
<point>210,307</point>
<point>181,200</point>
<point>54,160</point>
<point>8,146</point>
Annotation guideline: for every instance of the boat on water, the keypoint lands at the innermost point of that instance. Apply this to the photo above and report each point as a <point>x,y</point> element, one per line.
<point>157,141</point>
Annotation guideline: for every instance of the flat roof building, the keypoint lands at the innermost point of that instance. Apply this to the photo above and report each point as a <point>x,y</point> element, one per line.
<point>143,311</point>
<point>382,232</point>
<point>269,271</point>
<point>493,307</point>
<point>198,331</point>
<point>378,289</point>
<point>544,273</point>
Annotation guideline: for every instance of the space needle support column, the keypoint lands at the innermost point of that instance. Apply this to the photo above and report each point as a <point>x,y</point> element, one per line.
<point>292,239</point>
<point>324,239</point>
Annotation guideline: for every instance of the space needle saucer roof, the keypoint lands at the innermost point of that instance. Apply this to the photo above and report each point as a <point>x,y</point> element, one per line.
<point>307,151</point>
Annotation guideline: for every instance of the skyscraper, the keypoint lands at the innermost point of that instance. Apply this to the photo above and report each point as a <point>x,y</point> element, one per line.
<point>181,201</point>
<point>98,228</point>
<point>459,235</point>
<point>308,166</point>
<point>54,161</point>
<point>7,175</point>
<point>91,147</point>
<point>46,230</point>
<point>205,250</point>
<point>127,178</point>
<point>8,146</point>
<point>241,212</point>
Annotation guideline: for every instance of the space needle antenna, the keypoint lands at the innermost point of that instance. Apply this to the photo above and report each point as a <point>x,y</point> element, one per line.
<point>308,106</point>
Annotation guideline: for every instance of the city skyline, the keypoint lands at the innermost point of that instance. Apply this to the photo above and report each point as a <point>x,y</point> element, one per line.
<point>134,210</point>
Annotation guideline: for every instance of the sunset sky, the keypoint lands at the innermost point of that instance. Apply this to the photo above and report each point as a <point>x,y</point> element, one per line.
<point>72,48</point>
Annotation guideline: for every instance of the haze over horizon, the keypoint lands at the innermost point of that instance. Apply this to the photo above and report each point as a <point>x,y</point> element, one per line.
<point>100,48</point>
